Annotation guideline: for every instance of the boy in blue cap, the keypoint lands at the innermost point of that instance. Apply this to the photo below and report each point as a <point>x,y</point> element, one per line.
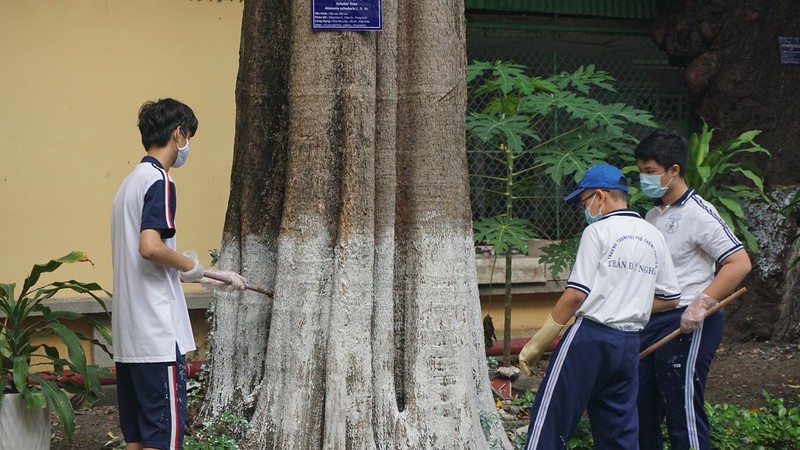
<point>622,272</point>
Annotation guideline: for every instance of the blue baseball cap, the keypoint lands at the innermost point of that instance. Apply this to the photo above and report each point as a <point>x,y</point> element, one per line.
<point>601,176</point>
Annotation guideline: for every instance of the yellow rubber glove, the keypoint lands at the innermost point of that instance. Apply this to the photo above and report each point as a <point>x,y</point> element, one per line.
<point>532,351</point>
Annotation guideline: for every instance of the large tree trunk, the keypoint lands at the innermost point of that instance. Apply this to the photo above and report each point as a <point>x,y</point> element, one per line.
<point>350,198</point>
<point>737,83</point>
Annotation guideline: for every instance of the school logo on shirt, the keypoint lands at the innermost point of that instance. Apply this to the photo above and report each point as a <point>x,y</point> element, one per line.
<point>672,225</point>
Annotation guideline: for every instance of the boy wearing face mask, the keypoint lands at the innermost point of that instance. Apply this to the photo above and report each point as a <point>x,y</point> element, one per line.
<point>150,319</point>
<point>672,380</point>
<point>622,272</point>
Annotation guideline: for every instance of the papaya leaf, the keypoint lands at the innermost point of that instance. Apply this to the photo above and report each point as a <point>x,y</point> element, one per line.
<point>503,233</point>
<point>560,255</point>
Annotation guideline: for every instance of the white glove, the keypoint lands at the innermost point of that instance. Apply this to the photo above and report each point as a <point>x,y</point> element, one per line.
<point>233,280</point>
<point>695,313</point>
<point>196,272</point>
<point>534,349</point>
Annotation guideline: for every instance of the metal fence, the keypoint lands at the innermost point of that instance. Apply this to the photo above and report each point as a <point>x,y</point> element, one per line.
<point>644,80</point>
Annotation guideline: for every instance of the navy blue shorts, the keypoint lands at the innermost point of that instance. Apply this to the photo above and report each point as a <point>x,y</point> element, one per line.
<point>152,402</point>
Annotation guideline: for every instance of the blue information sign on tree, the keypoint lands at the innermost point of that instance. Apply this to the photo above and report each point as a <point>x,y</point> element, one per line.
<point>346,15</point>
<point>790,49</point>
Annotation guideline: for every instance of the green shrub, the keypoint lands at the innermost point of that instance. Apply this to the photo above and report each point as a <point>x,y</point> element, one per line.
<point>581,439</point>
<point>710,171</point>
<point>524,400</point>
<point>222,434</point>
<point>771,427</point>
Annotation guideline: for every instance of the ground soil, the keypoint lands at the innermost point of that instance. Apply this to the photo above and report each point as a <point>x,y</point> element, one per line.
<point>741,371</point>
<point>738,375</point>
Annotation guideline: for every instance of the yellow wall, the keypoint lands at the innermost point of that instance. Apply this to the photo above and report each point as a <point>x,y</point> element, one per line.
<point>95,355</point>
<point>528,312</point>
<point>74,74</point>
<point>52,339</point>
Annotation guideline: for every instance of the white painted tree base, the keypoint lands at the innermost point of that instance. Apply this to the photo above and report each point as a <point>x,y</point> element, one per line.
<point>22,428</point>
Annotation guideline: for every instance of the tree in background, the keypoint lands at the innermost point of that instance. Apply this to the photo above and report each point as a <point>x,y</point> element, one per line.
<point>349,197</point>
<point>737,81</point>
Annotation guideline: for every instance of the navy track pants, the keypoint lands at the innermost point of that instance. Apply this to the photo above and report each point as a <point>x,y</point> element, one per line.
<point>672,382</point>
<point>593,369</point>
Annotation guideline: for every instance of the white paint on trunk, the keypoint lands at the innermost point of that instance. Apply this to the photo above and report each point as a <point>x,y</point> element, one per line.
<point>328,379</point>
<point>348,369</point>
<point>240,330</point>
<point>446,383</point>
<point>291,400</point>
<point>390,424</point>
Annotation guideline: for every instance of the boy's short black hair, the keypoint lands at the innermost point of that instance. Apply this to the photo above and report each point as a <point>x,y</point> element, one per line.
<point>157,121</point>
<point>666,147</point>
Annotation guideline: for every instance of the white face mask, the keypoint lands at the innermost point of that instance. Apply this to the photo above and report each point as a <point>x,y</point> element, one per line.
<point>183,155</point>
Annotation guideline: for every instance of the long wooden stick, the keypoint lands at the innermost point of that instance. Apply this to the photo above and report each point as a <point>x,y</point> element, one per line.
<point>677,332</point>
<point>267,292</point>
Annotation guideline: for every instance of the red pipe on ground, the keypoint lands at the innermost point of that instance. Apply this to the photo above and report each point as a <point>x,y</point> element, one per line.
<point>193,369</point>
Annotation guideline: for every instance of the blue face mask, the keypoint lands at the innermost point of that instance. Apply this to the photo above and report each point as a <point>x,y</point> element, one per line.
<point>590,219</point>
<point>651,185</point>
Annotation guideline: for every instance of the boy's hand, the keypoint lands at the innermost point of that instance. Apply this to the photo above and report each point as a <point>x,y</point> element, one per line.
<point>224,280</point>
<point>532,351</point>
<point>196,272</point>
<point>695,313</point>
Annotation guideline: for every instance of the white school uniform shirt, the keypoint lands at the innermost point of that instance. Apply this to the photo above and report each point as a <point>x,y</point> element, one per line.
<point>622,263</point>
<point>698,239</point>
<point>149,313</point>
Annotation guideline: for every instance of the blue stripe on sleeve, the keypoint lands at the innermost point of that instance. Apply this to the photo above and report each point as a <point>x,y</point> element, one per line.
<point>578,286</point>
<point>154,210</point>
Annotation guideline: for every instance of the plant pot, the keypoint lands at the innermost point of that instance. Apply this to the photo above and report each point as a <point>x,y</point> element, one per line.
<point>23,428</point>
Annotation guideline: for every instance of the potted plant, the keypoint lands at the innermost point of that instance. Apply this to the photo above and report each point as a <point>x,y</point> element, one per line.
<point>536,134</point>
<point>35,374</point>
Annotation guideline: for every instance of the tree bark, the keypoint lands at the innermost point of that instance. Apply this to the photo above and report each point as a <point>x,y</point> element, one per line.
<point>734,72</point>
<point>349,197</point>
<point>737,83</point>
<point>241,327</point>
